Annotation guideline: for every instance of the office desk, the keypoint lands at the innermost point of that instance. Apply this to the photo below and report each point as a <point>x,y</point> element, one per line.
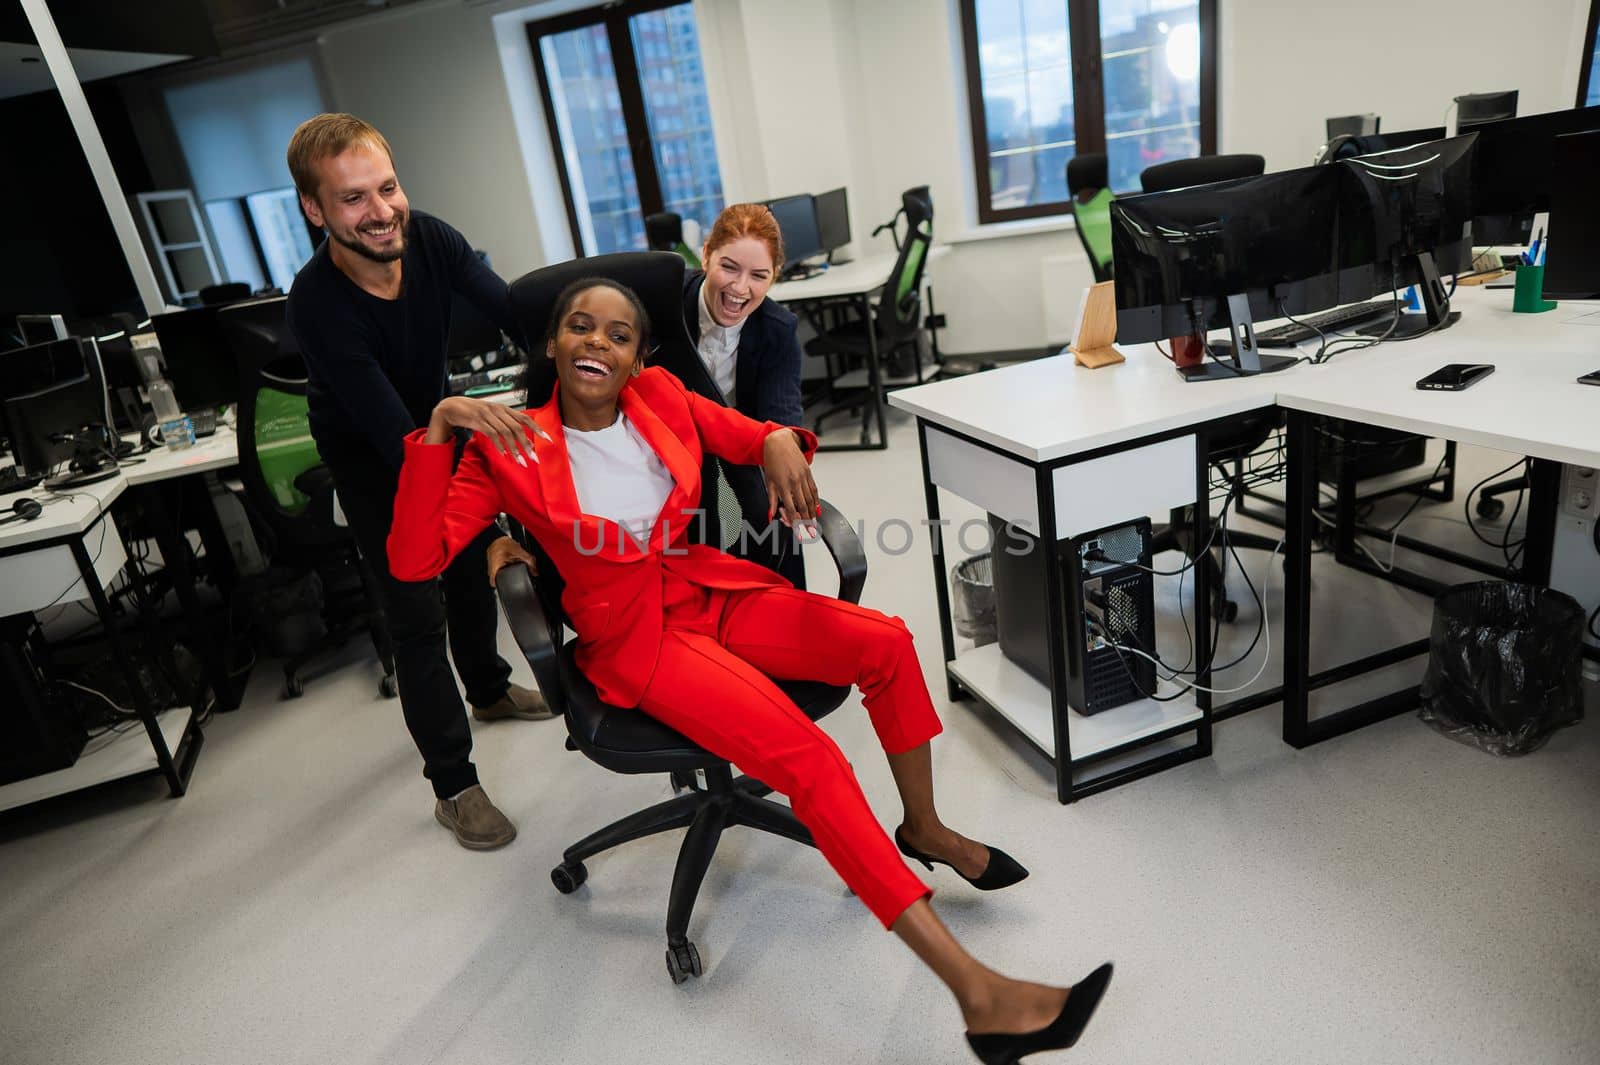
<point>1072,450</point>
<point>1531,405</point>
<point>855,281</point>
<point>1063,451</point>
<point>72,551</point>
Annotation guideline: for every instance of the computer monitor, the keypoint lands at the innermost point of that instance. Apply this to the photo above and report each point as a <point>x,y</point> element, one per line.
<point>1572,263</point>
<point>797,221</point>
<point>833,219</point>
<point>1369,144</point>
<point>1407,219</point>
<point>1513,169</point>
<point>199,361</point>
<point>54,413</point>
<point>1475,109</point>
<point>1221,255</point>
<point>1352,125</point>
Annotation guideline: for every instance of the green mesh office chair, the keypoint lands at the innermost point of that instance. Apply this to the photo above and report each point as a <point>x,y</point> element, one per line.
<point>1091,197</point>
<point>663,231</point>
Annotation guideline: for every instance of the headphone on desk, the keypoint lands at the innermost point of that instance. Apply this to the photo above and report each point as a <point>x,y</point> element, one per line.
<point>24,509</point>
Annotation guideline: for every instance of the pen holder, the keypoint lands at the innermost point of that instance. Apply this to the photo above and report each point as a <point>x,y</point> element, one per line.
<point>1529,295</point>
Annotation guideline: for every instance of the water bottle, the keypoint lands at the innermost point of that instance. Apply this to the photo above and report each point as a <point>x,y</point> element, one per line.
<point>177,431</point>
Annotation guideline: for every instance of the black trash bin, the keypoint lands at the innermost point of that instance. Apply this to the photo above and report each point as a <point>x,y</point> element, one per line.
<point>1505,665</point>
<point>972,599</point>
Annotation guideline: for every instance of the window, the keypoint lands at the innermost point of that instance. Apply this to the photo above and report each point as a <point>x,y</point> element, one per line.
<point>1047,79</point>
<point>625,99</point>
<point>1589,68</point>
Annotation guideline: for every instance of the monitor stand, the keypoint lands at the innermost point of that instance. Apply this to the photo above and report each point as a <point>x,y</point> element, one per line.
<point>1240,357</point>
<point>1435,304</point>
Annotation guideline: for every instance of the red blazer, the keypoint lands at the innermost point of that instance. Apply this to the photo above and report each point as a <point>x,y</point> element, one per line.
<point>613,586</point>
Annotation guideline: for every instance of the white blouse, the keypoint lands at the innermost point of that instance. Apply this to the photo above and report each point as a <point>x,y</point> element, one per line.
<point>719,347</point>
<point>619,476</point>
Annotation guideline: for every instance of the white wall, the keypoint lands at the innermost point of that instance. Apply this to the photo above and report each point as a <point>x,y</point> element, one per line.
<point>431,80</point>
<point>1287,65</point>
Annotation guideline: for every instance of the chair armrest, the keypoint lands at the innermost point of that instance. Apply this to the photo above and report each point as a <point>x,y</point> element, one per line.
<point>845,547</point>
<point>531,628</point>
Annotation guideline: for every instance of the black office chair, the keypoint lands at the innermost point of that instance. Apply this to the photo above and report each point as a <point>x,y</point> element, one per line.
<point>893,327</point>
<point>1364,125</point>
<point>1184,173</point>
<point>293,502</point>
<point>624,739</point>
<point>663,231</point>
<point>226,292</point>
<point>1089,194</point>
<point>1476,109</point>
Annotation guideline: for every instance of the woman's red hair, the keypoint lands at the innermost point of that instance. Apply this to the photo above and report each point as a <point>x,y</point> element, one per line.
<point>747,220</point>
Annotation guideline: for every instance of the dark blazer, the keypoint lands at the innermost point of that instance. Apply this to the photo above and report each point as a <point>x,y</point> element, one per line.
<point>767,374</point>
<point>613,586</point>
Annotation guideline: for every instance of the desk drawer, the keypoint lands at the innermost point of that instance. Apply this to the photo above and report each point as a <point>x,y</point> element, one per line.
<point>33,580</point>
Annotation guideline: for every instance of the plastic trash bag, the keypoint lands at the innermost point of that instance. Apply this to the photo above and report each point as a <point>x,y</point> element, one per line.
<point>1505,665</point>
<point>972,600</point>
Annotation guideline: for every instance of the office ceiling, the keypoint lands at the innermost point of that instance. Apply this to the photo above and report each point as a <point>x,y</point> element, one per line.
<point>241,24</point>
<point>22,68</point>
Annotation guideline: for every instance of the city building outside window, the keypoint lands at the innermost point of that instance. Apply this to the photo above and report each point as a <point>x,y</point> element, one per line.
<point>625,99</point>
<point>1048,79</point>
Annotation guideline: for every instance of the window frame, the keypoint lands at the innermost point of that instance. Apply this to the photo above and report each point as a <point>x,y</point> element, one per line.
<point>1586,62</point>
<point>1088,98</point>
<point>630,93</point>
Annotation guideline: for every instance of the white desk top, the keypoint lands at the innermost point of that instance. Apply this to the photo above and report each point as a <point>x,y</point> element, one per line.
<point>217,451</point>
<point>854,278</point>
<point>1531,405</point>
<point>71,513</point>
<point>1050,408</point>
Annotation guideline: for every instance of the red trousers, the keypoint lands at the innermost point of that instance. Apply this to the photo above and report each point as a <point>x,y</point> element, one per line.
<point>712,684</point>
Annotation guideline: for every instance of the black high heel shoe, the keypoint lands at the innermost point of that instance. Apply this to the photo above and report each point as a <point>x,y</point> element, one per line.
<point>1001,872</point>
<point>1063,1032</point>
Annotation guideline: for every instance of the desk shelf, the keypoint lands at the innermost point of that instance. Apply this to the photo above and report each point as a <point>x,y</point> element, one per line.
<point>1016,696</point>
<point>126,754</point>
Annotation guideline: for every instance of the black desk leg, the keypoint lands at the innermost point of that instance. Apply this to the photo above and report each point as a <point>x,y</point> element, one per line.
<point>874,377</point>
<point>1055,629</point>
<point>119,650</point>
<point>1544,491</point>
<point>1200,520</point>
<point>175,553</point>
<point>1300,498</point>
<point>941,590</point>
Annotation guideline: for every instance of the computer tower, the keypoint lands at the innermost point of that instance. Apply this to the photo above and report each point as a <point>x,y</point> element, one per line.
<point>1109,599</point>
<point>35,737</point>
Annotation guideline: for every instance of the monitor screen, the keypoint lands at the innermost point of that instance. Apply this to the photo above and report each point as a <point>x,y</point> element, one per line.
<point>1572,263</point>
<point>1402,204</point>
<point>1514,162</point>
<point>199,360</point>
<point>833,219</point>
<point>797,221</point>
<point>40,328</point>
<point>1179,255</point>
<point>49,397</point>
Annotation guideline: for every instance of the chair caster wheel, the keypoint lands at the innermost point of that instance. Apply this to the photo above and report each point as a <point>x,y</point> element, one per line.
<point>569,876</point>
<point>683,962</point>
<point>388,687</point>
<point>1489,508</point>
<point>293,686</point>
<point>1229,611</point>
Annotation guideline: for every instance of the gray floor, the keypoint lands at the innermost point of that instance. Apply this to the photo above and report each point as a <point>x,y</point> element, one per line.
<point>1390,896</point>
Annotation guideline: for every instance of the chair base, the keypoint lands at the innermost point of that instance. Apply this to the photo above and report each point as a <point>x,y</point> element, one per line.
<point>355,618</point>
<point>725,803</point>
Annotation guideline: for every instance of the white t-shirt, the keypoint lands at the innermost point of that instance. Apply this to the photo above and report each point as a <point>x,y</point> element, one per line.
<point>719,347</point>
<point>619,476</point>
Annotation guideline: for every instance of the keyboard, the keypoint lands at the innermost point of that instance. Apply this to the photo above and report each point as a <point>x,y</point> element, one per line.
<point>1340,319</point>
<point>458,383</point>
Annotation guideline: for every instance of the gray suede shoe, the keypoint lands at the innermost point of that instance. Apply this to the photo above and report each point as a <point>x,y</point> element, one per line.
<point>518,702</point>
<point>475,821</point>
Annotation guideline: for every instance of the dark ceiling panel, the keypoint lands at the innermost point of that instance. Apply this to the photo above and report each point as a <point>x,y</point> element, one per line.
<point>173,27</point>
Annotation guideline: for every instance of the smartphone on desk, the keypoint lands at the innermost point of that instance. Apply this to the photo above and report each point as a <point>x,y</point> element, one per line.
<point>1590,378</point>
<point>1456,376</point>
